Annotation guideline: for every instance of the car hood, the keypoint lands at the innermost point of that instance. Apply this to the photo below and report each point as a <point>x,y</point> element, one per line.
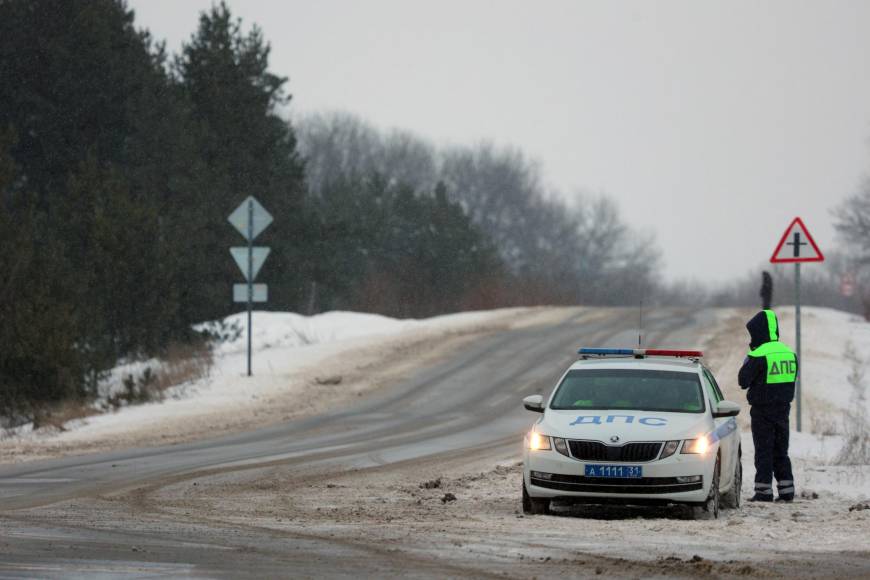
<point>626,425</point>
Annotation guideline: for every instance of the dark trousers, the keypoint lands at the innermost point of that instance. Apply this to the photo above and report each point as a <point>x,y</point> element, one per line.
<point>770,436</point>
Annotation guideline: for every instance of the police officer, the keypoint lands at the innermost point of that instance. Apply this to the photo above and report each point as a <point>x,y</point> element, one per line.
<point>769,374</point>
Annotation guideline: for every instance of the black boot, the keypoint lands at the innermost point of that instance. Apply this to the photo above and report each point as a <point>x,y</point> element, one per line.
<point>786,498</point>
<point>761,497</point>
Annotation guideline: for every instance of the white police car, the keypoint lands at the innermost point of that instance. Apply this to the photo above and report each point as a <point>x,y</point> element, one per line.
<point>634,426</point>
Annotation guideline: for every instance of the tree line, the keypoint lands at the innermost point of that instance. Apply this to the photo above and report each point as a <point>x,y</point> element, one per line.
<point>120,162</point>
<point>550,251</point>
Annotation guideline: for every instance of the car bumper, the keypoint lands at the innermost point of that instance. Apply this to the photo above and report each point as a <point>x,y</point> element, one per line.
<point>677,479</point>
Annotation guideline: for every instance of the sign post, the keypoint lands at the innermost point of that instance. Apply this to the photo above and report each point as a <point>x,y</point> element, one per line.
<point>795,247</point>
<point>250,219</point>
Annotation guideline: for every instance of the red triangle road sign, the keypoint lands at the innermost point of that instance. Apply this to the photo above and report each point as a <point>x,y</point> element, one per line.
<point>797,245</point>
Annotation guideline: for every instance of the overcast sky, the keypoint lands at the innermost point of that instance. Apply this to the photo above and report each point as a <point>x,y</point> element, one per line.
<point>712,123</point>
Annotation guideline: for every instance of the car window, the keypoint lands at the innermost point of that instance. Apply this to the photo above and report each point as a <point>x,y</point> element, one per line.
<point>712,388</point>
<point>629,389</point>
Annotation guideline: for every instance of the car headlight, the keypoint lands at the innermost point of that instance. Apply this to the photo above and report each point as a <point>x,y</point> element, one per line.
<point>561,446</point>
<point>698,446</point>
<point>538,442</point>
<point>670,449</point>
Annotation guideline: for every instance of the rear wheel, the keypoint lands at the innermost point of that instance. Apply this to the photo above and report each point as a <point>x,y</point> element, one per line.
<point>534,506</point>
<point>710,509</point>
<point>731,499</point>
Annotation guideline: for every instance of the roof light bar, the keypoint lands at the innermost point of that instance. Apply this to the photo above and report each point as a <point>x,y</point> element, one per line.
<point>640,352</point>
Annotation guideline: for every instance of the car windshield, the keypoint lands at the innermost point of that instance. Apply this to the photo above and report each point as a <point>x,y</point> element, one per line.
<point>638,390</point>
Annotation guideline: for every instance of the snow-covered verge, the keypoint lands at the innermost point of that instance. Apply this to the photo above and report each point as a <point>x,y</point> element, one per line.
<point>836,352</point>
<point>301,366</point>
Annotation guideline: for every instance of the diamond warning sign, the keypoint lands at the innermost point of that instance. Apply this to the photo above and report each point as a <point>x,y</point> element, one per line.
<point>797,245</point>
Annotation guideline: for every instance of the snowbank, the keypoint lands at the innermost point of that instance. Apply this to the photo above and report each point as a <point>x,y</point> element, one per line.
<point>828,337</point>
<point>290,330</point>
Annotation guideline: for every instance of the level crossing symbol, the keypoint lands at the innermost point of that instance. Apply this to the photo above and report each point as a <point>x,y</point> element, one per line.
<point>795,247</point>
<point>250,219</point>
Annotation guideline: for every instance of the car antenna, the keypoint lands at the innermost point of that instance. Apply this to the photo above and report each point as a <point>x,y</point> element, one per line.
<point>640,325</point>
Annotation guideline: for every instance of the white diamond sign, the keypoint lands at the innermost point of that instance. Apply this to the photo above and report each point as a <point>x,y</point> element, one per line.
<point>258,256</point>
<point>250,218</point>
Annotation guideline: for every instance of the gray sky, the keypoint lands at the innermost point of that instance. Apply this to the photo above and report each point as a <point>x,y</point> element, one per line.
<point>712,123</point>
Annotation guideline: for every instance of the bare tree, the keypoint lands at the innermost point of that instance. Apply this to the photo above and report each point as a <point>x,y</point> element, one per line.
<point>341,146</point>
<point>499,189</point>
<point>852,222</point>
<point>335,146</point>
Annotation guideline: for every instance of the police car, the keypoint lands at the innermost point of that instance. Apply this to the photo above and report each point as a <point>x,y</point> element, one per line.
<point>634,426</point>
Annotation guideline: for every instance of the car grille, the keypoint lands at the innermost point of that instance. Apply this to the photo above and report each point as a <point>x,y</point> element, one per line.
<point>597,451</point>
<point>640,451</point>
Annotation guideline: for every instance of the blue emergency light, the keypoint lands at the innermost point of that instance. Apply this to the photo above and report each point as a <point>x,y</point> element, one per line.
<point>607,351</point>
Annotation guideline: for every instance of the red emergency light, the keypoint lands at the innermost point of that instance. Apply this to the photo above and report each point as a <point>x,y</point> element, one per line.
<point>670,352</point>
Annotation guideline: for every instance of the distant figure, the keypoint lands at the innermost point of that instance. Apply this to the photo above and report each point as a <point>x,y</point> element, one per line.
<point>766,290</point>
<point>769,374</point>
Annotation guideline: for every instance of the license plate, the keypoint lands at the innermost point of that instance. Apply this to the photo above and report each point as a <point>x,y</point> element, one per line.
<point>614,471</point>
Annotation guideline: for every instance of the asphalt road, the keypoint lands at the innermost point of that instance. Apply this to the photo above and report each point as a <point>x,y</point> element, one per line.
<point>57,517</point>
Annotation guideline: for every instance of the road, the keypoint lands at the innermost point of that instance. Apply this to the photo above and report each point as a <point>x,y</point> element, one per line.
<point>256,504</point>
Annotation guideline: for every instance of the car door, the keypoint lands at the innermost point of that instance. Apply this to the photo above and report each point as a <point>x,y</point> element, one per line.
<point>726,444</point>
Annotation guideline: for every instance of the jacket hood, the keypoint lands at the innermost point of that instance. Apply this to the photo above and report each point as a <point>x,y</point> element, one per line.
<point>763,327</point>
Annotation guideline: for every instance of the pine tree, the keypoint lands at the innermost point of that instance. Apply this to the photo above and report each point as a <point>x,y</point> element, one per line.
<point>249,150</point>
<point>39,361</point>
<point>105,154</point>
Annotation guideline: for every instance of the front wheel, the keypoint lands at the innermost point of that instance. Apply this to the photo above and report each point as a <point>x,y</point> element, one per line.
<point>534,506</point>
<point>731,499</point>
<point>710,509</point>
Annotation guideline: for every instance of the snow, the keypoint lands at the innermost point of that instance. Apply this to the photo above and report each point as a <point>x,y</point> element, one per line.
<point>813,464</point>
<point>828,335</point>
<point>289,330</point>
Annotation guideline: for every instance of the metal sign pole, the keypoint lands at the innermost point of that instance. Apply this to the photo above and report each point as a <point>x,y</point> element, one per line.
<point>803,248</point>
<point>250,219</point>
<point>797,327</point>
<point>250,274</point>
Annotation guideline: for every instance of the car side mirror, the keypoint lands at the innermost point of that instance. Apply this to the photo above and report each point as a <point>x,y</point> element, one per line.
<point>534,403</point>
<point>726,409</point>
